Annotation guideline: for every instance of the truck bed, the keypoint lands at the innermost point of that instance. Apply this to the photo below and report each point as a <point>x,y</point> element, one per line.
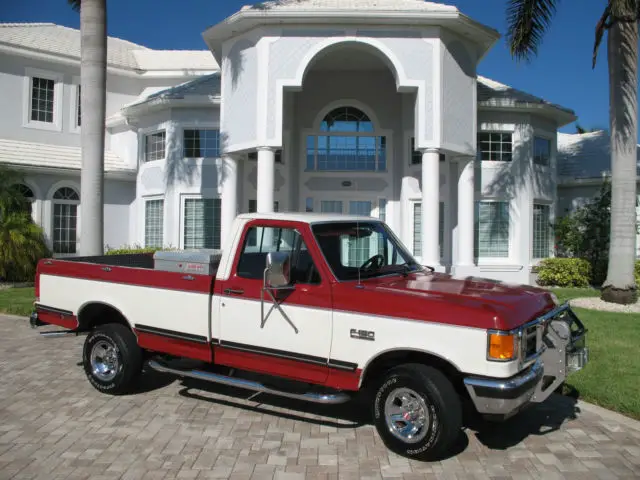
<point>150,300</point>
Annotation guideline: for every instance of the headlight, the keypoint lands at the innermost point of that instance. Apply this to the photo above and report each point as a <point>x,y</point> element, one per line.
<point>554,298</point>
<point>502,346</point>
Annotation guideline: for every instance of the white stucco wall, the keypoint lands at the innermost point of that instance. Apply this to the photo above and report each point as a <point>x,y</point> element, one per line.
<point>119,197</point>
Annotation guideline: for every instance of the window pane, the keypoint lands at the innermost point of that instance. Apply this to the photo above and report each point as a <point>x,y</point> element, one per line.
<point>330,206</point>
<point>495,147</point>
<point>202,223</point>
<point>262,240</point>
<point>492,229</point>
<point>346,119</point>
<point>417,229</point>
<point>42,99</point>
<point>64,227</point>
<point>154,146</point>
<point>541,230</point>
<point>154,223</point>
<point>541,151</point>
<point>203,143</point>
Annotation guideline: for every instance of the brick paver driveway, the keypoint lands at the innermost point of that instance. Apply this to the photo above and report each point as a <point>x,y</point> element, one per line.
<point>53,424</point>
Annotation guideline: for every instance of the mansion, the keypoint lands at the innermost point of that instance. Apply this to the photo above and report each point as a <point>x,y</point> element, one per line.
<point>361,107</point>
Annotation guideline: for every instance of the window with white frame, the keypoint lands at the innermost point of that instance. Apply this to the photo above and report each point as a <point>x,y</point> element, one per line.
<point>416,155</point>
<point>201,143</point>
<point>154,223</point>
<point>346,142</point>
<point>541,245</point>
<point>541,151</point>
<point>42,99</point>
<point>201,223</point>
<point>154,146</point>
<point>65,220</point>
<point>491,229</point>
<point>495,147</point>
<point>417,229</point>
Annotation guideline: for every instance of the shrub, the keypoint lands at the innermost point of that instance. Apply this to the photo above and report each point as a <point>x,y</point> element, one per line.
<point>585,233</point>
<point>564,272</point>
<point>636,272</point>
<point>131,249</point>
<point>22,242</point>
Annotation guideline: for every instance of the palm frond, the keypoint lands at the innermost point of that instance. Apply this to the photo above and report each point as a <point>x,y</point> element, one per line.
<point>601,26</point>
<point>527,22</point>
<point>75,4</point>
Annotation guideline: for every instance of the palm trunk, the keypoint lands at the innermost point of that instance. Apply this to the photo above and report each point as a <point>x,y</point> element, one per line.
<point>93,28</point>
<point>619,287</point>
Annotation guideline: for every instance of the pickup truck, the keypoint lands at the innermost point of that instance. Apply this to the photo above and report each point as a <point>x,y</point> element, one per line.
<point>320,308</point>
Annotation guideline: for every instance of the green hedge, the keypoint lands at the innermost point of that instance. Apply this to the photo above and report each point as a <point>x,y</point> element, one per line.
<point>129,249</point>
<point>636,272</point>
<point>565,272</point>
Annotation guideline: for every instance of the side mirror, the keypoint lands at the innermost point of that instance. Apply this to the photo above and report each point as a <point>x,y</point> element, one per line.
<point>278,270</point>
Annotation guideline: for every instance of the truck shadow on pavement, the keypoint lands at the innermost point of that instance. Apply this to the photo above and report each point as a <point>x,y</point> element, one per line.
<point>538,420</point>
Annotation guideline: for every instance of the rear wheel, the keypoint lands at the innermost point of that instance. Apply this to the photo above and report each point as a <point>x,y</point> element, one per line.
<point>112,359</point>
<point>417,412</point>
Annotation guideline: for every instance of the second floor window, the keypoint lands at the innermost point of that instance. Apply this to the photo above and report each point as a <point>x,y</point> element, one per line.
<point>154,145</point>
<point>201,143</point>
<point>541,151</point>
<point>495,147</point>
<point>42,99</point>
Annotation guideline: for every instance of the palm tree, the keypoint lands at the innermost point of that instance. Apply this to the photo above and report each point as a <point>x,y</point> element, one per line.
<point>93,83</point>
<point>528,21</point>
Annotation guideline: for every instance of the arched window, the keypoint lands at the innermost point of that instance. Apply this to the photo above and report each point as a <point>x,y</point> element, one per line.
<point>25,191</point>
<point>346,142</point>
<point>346,119</point>
<point>26,197</point>
<point>65,220</point>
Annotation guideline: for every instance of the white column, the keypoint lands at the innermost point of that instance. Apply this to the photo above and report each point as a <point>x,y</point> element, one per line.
<point>430,207</point>
<point>266,175</point>
<point>466,208</point>
<point>229,207</point>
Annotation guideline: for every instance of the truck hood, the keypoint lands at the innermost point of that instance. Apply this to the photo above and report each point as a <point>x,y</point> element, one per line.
<point>494,304</point>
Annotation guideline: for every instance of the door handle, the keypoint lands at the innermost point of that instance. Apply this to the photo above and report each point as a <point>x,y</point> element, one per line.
<point>233,291</point>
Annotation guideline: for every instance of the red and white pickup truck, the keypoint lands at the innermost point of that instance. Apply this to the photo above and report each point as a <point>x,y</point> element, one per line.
<point>318,308</point>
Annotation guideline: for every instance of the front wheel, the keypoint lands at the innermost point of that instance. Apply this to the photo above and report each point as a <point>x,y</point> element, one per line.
<point>417,412</point>
<point>112,359</point>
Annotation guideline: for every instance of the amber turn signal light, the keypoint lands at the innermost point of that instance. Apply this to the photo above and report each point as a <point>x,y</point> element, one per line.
<point>501,347</point>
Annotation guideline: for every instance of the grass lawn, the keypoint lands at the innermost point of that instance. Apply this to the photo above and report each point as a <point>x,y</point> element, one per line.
<point>17,301</point>
<point>609,380</point>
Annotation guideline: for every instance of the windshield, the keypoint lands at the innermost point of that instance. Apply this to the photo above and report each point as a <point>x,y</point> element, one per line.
<point>362,250</point>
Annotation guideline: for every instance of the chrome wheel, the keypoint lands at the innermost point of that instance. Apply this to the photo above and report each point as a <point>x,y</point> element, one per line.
<point>104,360</point>
<point>406,415</point>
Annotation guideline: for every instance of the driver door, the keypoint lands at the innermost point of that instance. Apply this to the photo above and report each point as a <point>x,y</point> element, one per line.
<point>290,339</point>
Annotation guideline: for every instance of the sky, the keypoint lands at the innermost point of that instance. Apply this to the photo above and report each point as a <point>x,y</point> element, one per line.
<point>561,73</point>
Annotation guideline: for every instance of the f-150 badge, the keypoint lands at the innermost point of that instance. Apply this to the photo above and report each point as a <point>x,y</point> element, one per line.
<point>363,334</point>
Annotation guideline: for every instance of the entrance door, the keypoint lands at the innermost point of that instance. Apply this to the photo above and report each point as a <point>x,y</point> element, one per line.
<point>290,336</point>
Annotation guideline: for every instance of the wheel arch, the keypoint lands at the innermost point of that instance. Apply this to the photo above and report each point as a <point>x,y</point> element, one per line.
<point>397,356</point>
<point>94,313</point>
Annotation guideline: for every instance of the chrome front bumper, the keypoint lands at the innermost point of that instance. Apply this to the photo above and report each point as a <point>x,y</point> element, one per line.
<point>564,351</point>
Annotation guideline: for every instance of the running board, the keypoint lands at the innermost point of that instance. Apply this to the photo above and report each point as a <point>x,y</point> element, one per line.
<point>61,333</point>
<point>323,398</point>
